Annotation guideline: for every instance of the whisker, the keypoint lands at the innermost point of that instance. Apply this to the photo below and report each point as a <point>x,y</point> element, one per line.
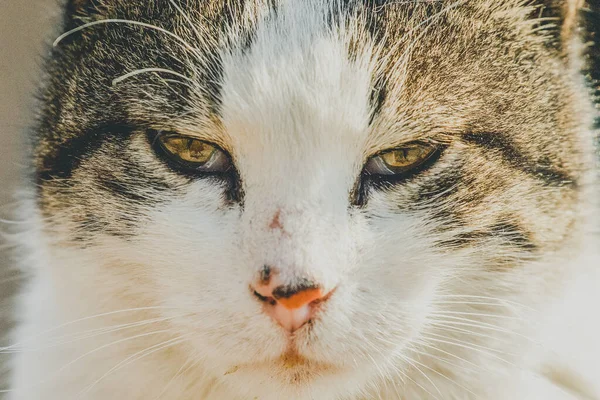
<point>484,298</point>
<point>445,317</point>
<point>190,363</point>
<point>444,360</point>
<point>33,337</point>
<point>61,369</point>
<point>411,362</point>
<point>474,303</point>
<point>446,377</point>
<point>445,312</point>
<point>184,43</point>
<point>128,75</point>
<point>429,345</point>
<point>135,357</point>
<point>475,323</point>
<point>398,370</point>
<point>79,336</point>
<point>442,326</point>
<point>466,346</point>
<point>456,340</point>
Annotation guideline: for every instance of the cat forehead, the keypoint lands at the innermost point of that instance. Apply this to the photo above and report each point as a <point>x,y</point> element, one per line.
<point>366,74</point>
<point>296,85</point>
<point>290,71</point>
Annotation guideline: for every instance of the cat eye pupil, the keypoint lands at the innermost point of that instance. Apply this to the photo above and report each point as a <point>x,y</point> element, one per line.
<point>200,151</point>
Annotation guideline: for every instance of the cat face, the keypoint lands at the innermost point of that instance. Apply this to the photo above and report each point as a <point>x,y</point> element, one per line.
<point>396,161</point>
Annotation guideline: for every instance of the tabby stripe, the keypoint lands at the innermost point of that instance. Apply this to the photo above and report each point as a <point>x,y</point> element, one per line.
<point>512,156</point>
<point>511,234</point>
<point>514,234</point>
<point>68,155</point>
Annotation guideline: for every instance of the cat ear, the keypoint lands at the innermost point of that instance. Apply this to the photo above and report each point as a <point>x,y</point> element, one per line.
<point>560,16</point>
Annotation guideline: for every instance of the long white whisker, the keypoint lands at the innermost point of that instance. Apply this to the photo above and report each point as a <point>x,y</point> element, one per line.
<point>456,340</point>
<point>473,303</point>
<point>33,337</point>
<point>429,345</point>
<point>444,360</point>
<point>444,376</point>
<point>126,21</point>
<point>187,365</point>
<point>412,363</point>
<point>79,336</point>
<point>61,369</point>
<point>445,312</point>
<point>445,317</point>
<point>466,346</point>
<point>484,298</point>
<point>477,324</point>
<point>145,70</point>
<point>134,357</point>
<point>444,327</point>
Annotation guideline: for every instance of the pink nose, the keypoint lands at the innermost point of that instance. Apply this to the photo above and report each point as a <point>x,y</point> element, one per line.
<point>290,306</point>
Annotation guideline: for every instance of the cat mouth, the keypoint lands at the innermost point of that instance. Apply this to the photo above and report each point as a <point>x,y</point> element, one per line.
<point>290,366</point>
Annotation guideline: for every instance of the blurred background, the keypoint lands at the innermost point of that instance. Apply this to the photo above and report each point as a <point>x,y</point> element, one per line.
<point>25,27</point>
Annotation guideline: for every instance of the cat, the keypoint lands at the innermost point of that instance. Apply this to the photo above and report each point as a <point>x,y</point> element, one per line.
<point>316,199</point>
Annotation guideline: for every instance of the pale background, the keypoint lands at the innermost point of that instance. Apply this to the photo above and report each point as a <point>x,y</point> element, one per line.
<point>25,27</point>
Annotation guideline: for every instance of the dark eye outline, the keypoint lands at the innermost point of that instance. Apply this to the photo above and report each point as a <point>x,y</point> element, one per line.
<point>370,180</point>
<point>183,166</point>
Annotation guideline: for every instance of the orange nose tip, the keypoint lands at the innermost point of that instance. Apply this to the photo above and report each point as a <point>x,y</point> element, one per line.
<point>301,298</point>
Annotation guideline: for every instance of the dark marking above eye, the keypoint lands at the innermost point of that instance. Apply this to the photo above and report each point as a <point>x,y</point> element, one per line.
<point>60,163</point>
<point>543,171</point>
<point>378,97</point>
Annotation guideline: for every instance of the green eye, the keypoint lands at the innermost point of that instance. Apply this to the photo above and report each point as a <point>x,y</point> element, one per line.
<point>400,160</point>
<point>193,154</point>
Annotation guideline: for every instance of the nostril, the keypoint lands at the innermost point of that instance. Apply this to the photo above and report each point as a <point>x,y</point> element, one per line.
<point>288,291</point>
<point>291,306</point>
<point>265,299</point>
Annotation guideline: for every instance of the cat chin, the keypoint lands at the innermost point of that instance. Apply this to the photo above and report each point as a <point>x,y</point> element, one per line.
<point>285,379</point>
<point>291,371</point>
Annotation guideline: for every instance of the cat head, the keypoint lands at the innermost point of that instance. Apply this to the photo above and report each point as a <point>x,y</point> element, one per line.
<point>314,185</point>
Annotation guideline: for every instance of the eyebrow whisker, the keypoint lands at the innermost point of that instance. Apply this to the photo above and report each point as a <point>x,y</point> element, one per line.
<point>184,43</point>
<point>145,70</point>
